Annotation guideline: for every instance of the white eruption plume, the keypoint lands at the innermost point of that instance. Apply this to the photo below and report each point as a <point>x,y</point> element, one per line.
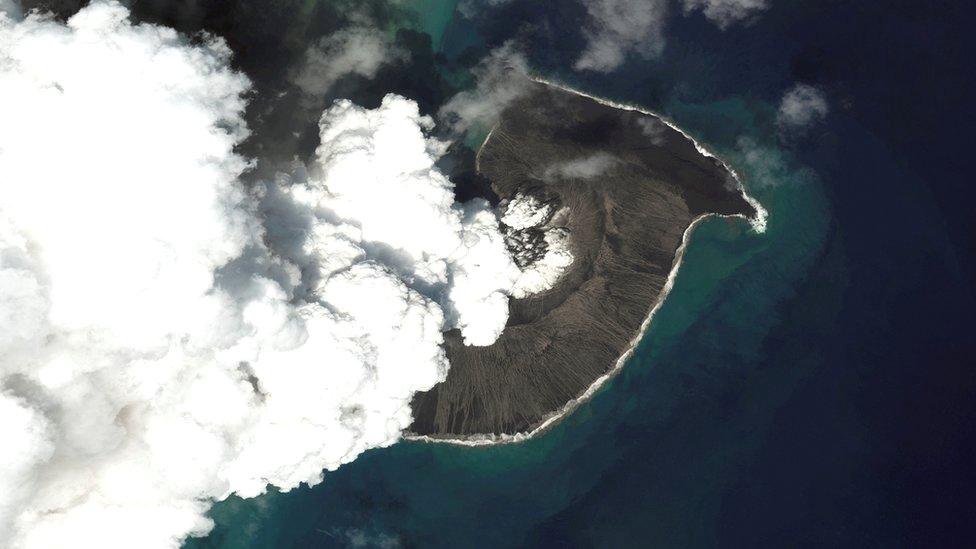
<point>167,339</point>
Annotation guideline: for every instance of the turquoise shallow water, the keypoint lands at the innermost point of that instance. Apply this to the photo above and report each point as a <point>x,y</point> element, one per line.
<point>807,386</point>
<point>721,308</point>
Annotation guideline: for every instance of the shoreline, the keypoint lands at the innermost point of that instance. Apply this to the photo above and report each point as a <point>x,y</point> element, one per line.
<point>758,224</point>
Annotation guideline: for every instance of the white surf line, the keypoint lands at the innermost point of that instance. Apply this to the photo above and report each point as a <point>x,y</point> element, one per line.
<point>477,157</point>
<point>758,224</point>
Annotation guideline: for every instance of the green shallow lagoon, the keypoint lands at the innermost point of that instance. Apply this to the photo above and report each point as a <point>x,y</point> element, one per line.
<point>707,335</point>
<point>797,387</point>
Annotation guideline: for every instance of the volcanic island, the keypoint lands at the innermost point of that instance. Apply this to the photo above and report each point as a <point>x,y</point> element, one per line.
<point>624,188</point>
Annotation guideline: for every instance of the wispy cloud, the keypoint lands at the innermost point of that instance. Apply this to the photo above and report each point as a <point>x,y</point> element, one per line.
<point>801,106</point>
<point>725,13</point>
<point>11,8</point>
<point>501,77</point>
<point>170,336</point>
<point>618,28</point>
<point>357,50</point>
<point>584,167</point>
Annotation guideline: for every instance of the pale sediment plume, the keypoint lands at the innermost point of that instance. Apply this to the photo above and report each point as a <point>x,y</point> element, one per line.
<point>169,337</point>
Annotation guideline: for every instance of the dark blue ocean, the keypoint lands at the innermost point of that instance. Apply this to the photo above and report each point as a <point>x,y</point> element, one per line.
<point>810,386</point>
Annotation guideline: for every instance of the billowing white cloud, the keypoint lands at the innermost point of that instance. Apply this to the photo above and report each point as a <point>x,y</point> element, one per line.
<point>376,190</point>
<point>167,339</point>
<point>356,50</point>
<point>539,239</point>
<point>725,13</point>
<point>618,28</point>
<point>801,106</point>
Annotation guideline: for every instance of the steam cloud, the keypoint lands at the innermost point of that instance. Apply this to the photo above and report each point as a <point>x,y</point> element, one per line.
<point>525,217</point>
<point>585,167</point>
<point>358,50</point>
<point>725,13</point>
<point>618,28</point>
<point>501,78</point>
<point>801,106</point>
<point>167,338</point>
<point>10,8</point>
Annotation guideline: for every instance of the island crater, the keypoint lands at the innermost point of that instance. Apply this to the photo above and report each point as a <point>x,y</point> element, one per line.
<point>629,188</point>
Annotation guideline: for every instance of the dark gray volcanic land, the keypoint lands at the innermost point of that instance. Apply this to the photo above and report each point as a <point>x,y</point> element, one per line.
<point>626,224</point>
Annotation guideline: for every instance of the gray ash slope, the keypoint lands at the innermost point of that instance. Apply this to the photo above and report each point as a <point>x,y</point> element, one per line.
<point>626,224</point>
